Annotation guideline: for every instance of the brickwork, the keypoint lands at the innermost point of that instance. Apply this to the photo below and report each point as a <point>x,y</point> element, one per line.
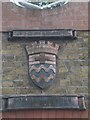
<point>74,15</point>
<point>72,60</point>
<point>72,68</point>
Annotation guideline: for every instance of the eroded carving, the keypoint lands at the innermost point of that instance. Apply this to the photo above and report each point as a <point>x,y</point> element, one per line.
<point>42,62</point>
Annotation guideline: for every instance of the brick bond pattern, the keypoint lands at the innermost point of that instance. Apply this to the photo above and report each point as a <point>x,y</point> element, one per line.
<point>72,62</point>
<point>72,70</point>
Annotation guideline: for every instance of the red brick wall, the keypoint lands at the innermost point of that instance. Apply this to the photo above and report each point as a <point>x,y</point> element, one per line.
<point>47,115</point>
<point>71,16</point>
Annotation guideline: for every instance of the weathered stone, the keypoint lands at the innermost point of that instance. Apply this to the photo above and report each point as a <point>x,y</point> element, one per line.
<point>63,69</point>
<point>26,90</point>
<point>64,83</point>
<point>7,84</point>
<point>84,63</point>
<point>58,90</point>
<point>9,77</point>
<point>71,90</point>
<point>84,69</point>
<point>81,89</point>
<point>76,69</point>
<point>83,33</point>
<point>8,57</point>
<point>86,40</point>
<point>0,89</point>
<point>8,90</point>
<point>76,82</point>
<point>85,82</point>
<point>62,75</point>
<point>20,83</point>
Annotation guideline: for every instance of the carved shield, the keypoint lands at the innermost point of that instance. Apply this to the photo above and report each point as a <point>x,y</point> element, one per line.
<point>42,62</point>
<point>42,69</point>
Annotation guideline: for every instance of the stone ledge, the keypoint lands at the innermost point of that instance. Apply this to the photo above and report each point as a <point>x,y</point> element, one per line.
<point>22,102</point>
<point>43,34</point>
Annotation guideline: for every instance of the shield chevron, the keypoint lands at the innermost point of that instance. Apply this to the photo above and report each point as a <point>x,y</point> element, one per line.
<point>42,64</point>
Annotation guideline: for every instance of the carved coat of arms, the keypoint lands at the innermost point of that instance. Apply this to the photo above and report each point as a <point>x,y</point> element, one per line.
<point>42,63</point>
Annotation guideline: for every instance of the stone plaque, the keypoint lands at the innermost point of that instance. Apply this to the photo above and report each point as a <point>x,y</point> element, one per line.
<point>44,102</point>
<point>57,33</point>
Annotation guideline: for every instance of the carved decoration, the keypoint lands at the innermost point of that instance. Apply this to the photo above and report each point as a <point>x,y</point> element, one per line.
<point>39,4</point>
<point>42,62</point>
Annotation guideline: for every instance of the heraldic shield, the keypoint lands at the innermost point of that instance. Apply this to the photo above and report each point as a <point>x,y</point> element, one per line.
<point>42,63</point>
